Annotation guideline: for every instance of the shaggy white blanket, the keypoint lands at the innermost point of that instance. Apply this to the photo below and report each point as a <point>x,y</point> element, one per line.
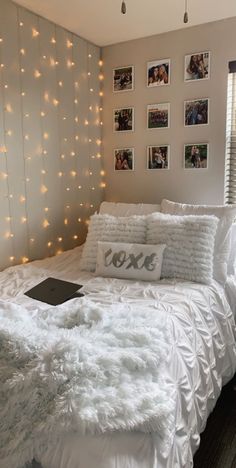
<point>81,367</point>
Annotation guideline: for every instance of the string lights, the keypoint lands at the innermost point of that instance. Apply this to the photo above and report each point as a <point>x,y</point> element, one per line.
<point>62,64</point>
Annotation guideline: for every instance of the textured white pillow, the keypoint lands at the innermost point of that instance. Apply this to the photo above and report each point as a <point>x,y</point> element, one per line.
<point>189,245</point>
<point>129,261</point>
<point>225,214</point>
<point>128,209</point>
<point>112,229</point>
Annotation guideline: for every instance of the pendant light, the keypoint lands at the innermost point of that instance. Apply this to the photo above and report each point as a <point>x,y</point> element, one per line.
<point>186,12</point>
<point>123,7</point>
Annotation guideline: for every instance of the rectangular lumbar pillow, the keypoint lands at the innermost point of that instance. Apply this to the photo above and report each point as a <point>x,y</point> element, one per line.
<point>226,214</point>
<point>111,229</point>
<point>129,261</point>
<point>189,245</point>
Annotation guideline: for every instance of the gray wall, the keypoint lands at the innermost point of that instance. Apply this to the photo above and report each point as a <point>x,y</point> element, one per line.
<point>50,179</point>
<point>177,184</point>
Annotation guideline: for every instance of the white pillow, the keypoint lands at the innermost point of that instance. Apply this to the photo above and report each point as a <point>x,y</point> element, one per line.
<point>225,214</point>
<point>189,245</point>
<point>128,209</point>
<point>112,229</point>
<point>129,261</point>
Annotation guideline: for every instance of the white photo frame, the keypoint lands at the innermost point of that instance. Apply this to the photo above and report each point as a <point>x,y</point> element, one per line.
<point>197,66</point>
<point>158,73</point>
<point>123,79</point>
<point>197,112</point>
<point>123,119</point>
<point>158,116</point>
<point>158,157</point>
<point>196,156</point>
<point>124,159</point>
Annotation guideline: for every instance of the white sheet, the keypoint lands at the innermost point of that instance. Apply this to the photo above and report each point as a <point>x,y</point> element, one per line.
<point>201,317</point>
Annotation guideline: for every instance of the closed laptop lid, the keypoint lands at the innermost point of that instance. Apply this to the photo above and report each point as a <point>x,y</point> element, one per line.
<point>53,291</point>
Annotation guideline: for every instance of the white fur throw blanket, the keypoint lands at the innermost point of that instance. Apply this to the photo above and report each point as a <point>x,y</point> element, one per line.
<point>81,367</point>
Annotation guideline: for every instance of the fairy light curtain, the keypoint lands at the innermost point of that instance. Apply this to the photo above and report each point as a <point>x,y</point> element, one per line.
<point>51,176</point>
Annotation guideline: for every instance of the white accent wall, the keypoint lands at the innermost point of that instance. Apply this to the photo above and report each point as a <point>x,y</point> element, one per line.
<point>189,186</point>
<point>50,136</point>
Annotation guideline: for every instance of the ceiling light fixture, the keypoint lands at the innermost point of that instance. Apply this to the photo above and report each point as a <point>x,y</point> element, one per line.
<point>123,7</point>
<point>186,12</point>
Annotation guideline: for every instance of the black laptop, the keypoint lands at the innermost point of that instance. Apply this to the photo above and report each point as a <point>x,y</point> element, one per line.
<point>54,291</point>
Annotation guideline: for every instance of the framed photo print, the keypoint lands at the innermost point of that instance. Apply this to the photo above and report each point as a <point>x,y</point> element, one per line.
<point>124,159</point>
<point>158,115</point>
<point>196,156</point>
<point>123,79</point>
<point>158,73</point>
<point>196,112</point>
<point>123,119</point>
<point>158,157</point>
<point>197,66</point>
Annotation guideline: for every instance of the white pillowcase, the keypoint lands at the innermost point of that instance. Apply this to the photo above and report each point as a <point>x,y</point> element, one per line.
<point>189,245</point>
<point>225,214</point>
<point>129,261</point>
<point>112,229</point>
<point>128,209</point>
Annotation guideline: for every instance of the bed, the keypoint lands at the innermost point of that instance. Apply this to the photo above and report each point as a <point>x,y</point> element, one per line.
<point>201,358</point>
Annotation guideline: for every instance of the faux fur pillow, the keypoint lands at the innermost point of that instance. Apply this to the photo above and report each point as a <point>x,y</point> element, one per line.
<point>226,214</point>
<point>108,228</point>
<point>189,245</point>
<point>129,261</point>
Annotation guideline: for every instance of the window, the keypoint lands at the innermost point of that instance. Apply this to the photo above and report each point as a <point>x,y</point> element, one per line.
<point>230,169</point>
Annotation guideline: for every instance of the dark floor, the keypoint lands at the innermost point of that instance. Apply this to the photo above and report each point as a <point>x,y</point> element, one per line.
<point>218,441</point>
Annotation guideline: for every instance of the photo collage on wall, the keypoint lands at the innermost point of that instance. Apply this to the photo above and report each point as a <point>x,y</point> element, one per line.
<point>196,113</point>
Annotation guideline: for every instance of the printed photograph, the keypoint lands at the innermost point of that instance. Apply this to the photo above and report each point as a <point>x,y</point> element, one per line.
<point>123,79</point>
<point>197,66</point>
<point>158,73</point>
<point>124,120</point>
<point>196,112</point>
<point>196,156</point>
<point>158,157</point>
<point>158,115</point>
<point>124,159</point>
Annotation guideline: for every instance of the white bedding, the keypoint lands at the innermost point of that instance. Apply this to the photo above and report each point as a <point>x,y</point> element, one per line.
<point>202,358</point>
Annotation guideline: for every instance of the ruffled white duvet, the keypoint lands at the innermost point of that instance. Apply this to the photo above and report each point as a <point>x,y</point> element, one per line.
<point>202,357</point>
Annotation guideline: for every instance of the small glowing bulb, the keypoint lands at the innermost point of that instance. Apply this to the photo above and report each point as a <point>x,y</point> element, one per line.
<point>26,137</point>
<point>72,153</point>
<point>77,119</point>
<point>66,221</point>
<point>81,204</point>
<point>79,220</point>
<point>46,97</point>
<point>1,39</point>
<point>49,244</point>
<point>8,218</point>
<point>102,173</point>
<point>37,74</point>
<point>45,136</point>
<point>46,209</point>
<point>101,77</point>
<point>5,86</point>
<point>90,140</point>
<point>12,259</point>
<point>22,51</point>
<point>21,23</point>
<point>60,174</point>
<point>98,156</point>
<point>89,56</point>
<point>77,137</point>
<point>69,43</point>
<point>102,185</point>
<point>90,173</point>
<point>59,252</point>
<point>68,189</point>
<point>24,259</point>
<point>60,83</point>
<point>89,73</point>
<point>32,240</point>
<point>35,33</point>
<point>22,199</point>
<point>26,115</point>
<point>73,173</point>
<point>76,101</point>
<point>23,219</point>
<point>46,223</point>
<point>44,189</point>
<point>8,108</point>
<point>90,108</point>
<point>64,118</point>
<point>53,40</point>
<point>9,133</point>
<point>22,70</point>
<point>62,156</point>
<point>76,84</point>
<point>86,122</point>
<point>55,102</point>
<point>79,187</point>
<point>45,152</point>
<point>101,93</point>
<point>44,57</point>
<point>42,114</point>
<point>91,90</point>
<point>59,239</point>
<point>99,142</point>
<point>27,179</point>
<point>92,188</point>
<point>23,93</point>
<point>100,63</point>
<point>75,237</point>
<point>43,171</point>
<point>2,65</point>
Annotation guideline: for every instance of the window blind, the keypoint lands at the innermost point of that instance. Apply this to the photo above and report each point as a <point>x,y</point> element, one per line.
<point>230,163</point>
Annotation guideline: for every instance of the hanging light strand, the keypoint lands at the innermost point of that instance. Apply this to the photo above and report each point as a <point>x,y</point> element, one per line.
<point>123,7</point>
<point>186,12</point>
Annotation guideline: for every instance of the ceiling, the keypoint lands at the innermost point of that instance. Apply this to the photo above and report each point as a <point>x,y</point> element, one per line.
<point>101,22</point>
